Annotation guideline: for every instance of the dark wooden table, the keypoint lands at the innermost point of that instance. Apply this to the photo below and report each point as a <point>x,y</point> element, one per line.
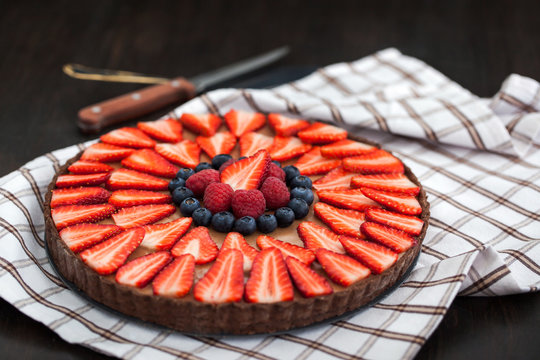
<point>475,43</point>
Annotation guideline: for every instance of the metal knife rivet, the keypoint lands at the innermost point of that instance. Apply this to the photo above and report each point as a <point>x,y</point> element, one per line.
<point>96,109</point>
<point>136,96</point>
<point>175,83</point>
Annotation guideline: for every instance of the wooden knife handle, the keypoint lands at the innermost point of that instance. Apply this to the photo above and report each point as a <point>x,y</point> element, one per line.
<point>95,117</point>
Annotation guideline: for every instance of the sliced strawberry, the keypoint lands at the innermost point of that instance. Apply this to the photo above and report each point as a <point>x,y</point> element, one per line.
<point>252,142</point>
<point>68,215</point>
<point>337,179</point>
<point>343,222</point>
<point>286,148</point>
<point>395,239</point>
<point>224,281</point>
<point>269,281</point>
<point>341,269</point>
<point>286,126</point>
<point>376,257</point>
<point>106,257</point>
<point>140,271</point>
<point>304,255</point>
<point>315,236</point>
<point>405,204</point>
<point>167,130</point>
<point>312,163</point>
<point>352,199</point>
<point>198,243</point>
<point>241,122</point>
<point>130,179</point>
<point>82,167</point>
<point>129,137</point>
<point>69,180</point>
<point>345,148</point>
<point>149,161</point>
<point>81,236</point>
<point>235,240</point>
<point>142,215</point>
<point>409,224</point>
<point>204,124</point>
<point>175,279</point>
<point>319,133</point>
<point>185,153</point>
<point>220,143</point>
<point>246,174</point>
<point>307,281</point>
<point>132,197</point>
<point>376,162</point>
<point>163,236</point>
<point>386,182</point>
<point>79,196</point>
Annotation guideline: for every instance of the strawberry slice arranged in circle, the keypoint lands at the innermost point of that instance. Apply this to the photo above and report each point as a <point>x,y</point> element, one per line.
<point>131,179</point>
<point>241,122</point>
<point>128,137</point>
<point>135,216</point>
<point>376,162</point>
<point>69,180</point>
<point>376,257</point>
<point>409,224</point>
<point>176,279</point>
<point>79,196</point>
<point>286,148</point>
<point>198,243</point>
<point>352,199</point>
<point>315,236</point>
<point>235,240</point>
<point>83,167</point>
<point>313,163</point>
<point>132,197</point>
<point>149,161</point>
<point>341,221</point>
<point>252,142</point>
<point>167,130</point>
<point>346,148</point>
<point>81,236</point>
<point>405,204</point>
<point>387,182</point>
<point>341,269</point>
<point>337,179</point>
<point>220,143</point>
<point>140,271</point>
<point>307,281</point>
<point>106,152</point>
<point>288,250</point>
<point>286,126</point>
<point>68,215</point>
<point>185,153</point>
<point>395,239</point>
<point>204,124</point>
<point>246,174</point>
<point>163,236</point>
<point>320,133</point>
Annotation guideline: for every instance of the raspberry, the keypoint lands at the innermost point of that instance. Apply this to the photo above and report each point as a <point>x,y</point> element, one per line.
<point>248,203</point>
<point>275,193</point>
<point>218,197</point>
<point>225,164</point>
<point>274,171</point>
<point>199,181</point>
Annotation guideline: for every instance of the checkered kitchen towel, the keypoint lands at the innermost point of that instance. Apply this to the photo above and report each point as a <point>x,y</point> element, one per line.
<point>479,160</point>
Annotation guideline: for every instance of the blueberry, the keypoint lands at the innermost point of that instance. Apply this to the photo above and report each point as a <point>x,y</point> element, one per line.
<point>189,205</point>
<point>180,194</point>
<point>300,180</point>
<point>302,192</point>
<point>223,221</point>
<point>203,166</point>
<point>290,173</point>
<point>284,216</point>
<point>219,160</point>
<point>266,223</point>
<point>300,207</point>
<point>176,183</point>
<point>202,217</point>
<point>245,225</point>
<point>184,173</point>
<point>277,163</point>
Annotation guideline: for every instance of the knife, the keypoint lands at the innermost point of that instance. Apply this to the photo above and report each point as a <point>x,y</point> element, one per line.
<point>94,118</point>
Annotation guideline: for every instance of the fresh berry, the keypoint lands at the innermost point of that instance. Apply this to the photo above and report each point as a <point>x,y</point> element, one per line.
<point>275,192</point>
<point>286,148</point>
<point>202,217</point>
<point>307,281</point>
<point>70,180</point>
<point>376,257</point>
<point>198,243</point>
<point>241,122</point>
<point>346,148</point>
<point>395,239</point>
<point>300,208</point>
<point>284,216</point>
<point>176,279</point>
<point>219,160</point>
<point>223,221</point>
<point>248,173</point>
<point>220,143</point>
<point>129,137</point>
<point>203,166</point>
<point>235,240</point>
<point>142,215</point>
<point>319,133</point>
<point>341,269</point>
<point>225,164</point>
<point>224,281</point>
<point>301,180</point>
<point>81,236</point>
<point>199,181</point>
<point>352,199</point>
<point>301,192</point>
<point>290,173</point>
<point>266,223</point>
<point>341,221</point>
<point>82,167</point>
<point>130,179</point>
<point>269,281</point>
<point>337,179</point>
<point>275,171</point>
<point>185,153</point>
<point>140,271</point>
<point>252,142</point>
<point>180,194</point>
<point>176,183</point>
<point>315,236</point>
<point>277,163</point>
<point>410,224</point>
<point>313,163</point>
<point>218,197</point>
<point>163,236</point>
<point>304,255</point>
<point>405,204</point>
<point>246,225</point>
<point>68,215</point>
<point>185,173</point>
<point>106,257</point>
<point>286,126</point>
<point>387,182</point>
<point>105,153</point>
<point>248,203</point>
<point>189,205</point>
<point>79,196</point>
<point>167,130</point>
<point>132,197</point>
<point>376,162</point>
<point>204,124</point>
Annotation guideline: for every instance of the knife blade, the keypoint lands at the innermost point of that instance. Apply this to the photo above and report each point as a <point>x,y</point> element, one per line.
<point>94,118</point>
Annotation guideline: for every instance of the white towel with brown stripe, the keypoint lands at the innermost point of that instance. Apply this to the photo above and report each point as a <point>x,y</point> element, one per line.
<point>479,160</point>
